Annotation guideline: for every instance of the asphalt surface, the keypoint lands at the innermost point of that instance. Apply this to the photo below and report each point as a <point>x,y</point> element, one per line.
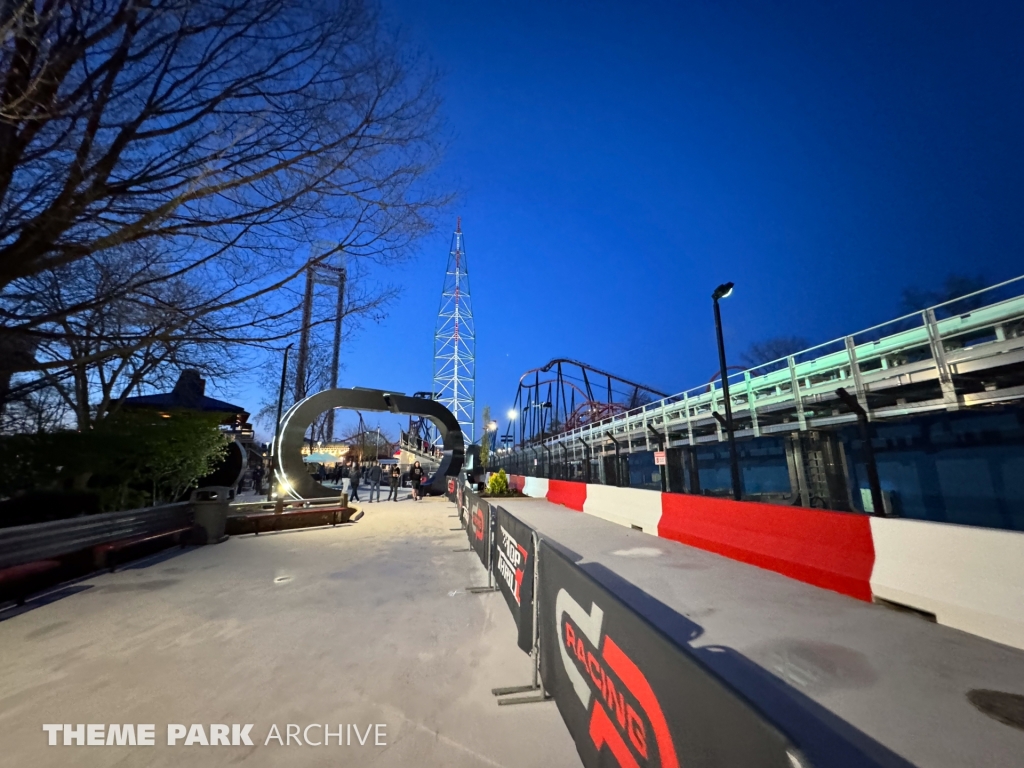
<point>362,624</point>
<point>895,677</point>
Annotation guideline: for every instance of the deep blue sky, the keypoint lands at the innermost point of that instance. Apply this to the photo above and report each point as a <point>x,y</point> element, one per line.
<point>616,161</point>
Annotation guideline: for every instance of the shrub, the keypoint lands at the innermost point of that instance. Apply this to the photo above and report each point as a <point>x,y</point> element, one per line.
<point>126,461</point>
<point>499,484</point>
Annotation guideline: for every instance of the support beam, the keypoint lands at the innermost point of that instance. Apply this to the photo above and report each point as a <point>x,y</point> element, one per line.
<point>877,500</point>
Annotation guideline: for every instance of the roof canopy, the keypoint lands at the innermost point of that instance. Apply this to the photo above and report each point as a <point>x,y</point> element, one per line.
<point>189,394</point>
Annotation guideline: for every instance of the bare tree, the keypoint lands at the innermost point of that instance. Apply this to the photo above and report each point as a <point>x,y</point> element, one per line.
<point>365,301</point>
<point>127,341</point>
<point>35,411</point>
<point>16,354</point>
<point>771,350</point>
<point>99,346</point>
<point>317,377</point>
<point>953,287</point>
<point>225,134</point>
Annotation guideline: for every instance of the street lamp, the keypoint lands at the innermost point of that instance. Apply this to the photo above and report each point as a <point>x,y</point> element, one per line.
<point>512,413</point>
<point>276,445</point>
<point>721,292</point>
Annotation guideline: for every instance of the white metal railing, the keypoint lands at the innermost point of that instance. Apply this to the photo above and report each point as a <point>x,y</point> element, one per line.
<point>913,349</point>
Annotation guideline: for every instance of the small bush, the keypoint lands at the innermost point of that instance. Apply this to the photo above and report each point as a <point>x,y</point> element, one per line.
<point>499,484</point>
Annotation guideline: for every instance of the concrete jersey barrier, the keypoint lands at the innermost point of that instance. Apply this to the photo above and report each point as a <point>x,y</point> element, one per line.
<point>832,550</point>
<point>968,578</point>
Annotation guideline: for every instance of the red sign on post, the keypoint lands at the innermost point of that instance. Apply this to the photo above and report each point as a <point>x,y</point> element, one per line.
<point>659,458</point>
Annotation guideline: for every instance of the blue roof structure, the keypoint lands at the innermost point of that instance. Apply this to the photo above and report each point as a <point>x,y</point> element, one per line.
<point>189,393</point>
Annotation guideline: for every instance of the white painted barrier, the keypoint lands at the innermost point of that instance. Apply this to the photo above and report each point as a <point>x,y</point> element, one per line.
<point>626,506</point>
<point>536,487</point>
<point>970,578</point>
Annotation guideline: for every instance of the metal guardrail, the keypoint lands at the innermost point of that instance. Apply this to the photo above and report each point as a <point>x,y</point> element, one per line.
<point>291,505</point>
<point>913,364</point>
<point>42,541</point>
<point>433,455</point>
<point>423,456</point>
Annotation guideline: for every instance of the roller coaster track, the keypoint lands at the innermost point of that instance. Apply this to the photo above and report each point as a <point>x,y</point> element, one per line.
<point>966,353</point>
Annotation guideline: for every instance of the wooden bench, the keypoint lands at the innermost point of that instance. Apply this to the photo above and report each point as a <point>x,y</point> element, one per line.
<point>263,522</point>
<point>105,553</point>
<point>26,576</point>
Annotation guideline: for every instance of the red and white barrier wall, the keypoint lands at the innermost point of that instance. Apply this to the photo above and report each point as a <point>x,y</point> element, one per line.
<point>969,578</point>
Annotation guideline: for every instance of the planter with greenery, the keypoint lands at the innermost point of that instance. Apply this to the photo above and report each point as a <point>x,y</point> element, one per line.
<point>498,487</point>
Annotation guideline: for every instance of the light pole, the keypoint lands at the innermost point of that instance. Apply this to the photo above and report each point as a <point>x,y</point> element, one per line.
<point>721,292</point>
<point>492,432</point>
<point>512,414</point>
<point>277,424</point>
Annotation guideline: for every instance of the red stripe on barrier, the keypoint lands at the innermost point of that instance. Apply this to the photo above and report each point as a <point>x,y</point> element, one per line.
<point>517,482</point>
<point>567,493</point>
<point>832,550</point>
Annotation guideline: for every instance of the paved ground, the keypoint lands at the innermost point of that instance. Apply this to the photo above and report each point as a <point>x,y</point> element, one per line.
<point>363,624</point>
<point>370,623</point>
<point>898,678</point>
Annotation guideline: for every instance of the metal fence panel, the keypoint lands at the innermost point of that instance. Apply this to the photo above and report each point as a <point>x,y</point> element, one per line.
<point>41,541</point>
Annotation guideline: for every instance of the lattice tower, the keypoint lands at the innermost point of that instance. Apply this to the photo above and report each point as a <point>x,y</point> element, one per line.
<point>455,341</point>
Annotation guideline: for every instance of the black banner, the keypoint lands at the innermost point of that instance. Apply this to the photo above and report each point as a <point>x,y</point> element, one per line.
<point>478,526</point>
<point>513,570</point>
<point>630,696</point>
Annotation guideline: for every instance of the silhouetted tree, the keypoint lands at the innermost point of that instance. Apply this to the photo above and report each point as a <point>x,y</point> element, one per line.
<point>771,350</point>
<point>953,287</point>
<point>225,135</point>
<point>485,438</point>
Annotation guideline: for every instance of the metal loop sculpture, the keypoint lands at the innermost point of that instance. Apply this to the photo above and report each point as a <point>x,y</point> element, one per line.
<point>290,469</point>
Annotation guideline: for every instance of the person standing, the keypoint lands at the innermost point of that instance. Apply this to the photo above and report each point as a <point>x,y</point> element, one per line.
<point>395,476</point>
<point>375,472</point>
<point>353,479</point>
<point>415,478</point>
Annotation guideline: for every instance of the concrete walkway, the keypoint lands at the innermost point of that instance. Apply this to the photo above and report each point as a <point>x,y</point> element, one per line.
<point>362,624</point>
<point>899,679</point>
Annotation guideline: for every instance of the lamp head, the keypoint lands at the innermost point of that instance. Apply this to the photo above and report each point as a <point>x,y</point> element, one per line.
<point>723,291</point>
<point>511,413</point>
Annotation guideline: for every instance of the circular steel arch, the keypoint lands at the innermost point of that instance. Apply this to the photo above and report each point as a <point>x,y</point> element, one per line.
<point>291,470</point>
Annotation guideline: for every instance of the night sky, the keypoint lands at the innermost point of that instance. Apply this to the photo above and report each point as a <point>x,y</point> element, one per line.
<point>617,161</point>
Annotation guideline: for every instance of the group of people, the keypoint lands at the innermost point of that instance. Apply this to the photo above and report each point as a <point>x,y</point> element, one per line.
<point>372,473</point>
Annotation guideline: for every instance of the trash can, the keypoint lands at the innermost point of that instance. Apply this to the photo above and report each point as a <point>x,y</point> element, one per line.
<point>210,507</point>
